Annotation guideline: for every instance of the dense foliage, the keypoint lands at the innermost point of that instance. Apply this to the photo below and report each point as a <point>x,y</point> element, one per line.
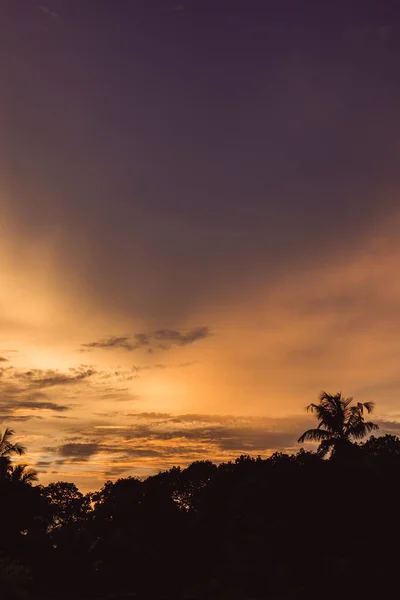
<point>286,527</point>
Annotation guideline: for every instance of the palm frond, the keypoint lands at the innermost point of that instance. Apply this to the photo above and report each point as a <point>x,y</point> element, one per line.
<point>18,449</point>
<point>314,435</point>
<point>332,411</point>
<point>348,401</point>
<point>21,473</point>
<point>326,415</point>
<point>361,429</point>
<point>325,446</point>
<point>324,396</point>
<point>338,421</point>
<point>7,447</point>
<point>5,438</point>
<point>30,476</point>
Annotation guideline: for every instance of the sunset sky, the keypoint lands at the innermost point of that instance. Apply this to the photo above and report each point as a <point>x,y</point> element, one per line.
<point>199,226</point>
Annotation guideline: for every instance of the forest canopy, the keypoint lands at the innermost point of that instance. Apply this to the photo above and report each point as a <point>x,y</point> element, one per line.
<point>248,528</point>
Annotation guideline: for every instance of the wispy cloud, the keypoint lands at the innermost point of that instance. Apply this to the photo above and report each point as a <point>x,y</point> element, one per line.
<point>36,405</point>
<point>24,392</point>
<point>162,339</point>
<point>137,369</point>
<point>111,342</point>
<point>170,337</point>
<point>142,443</point>
<point>48,11</point>
<point>181,436</point>
<point>12,409</point>
<point>38,378</point>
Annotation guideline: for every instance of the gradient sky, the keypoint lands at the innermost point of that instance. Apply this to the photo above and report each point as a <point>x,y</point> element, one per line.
<point>198,227</point>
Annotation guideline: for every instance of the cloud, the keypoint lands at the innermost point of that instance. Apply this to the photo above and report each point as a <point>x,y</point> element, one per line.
<point>169,337</point>
<point>139,369</point>
<point>2,359</point>
<point>111,342</point>
<point>24,390</point>
<point>19,418</point>
<point>39,405</point>
<point>11,409</point>
<point>19,394</point>
<point>182,436</point>
<point>38,378</point>
<point>162,339</point>
<point>144,443</point>
<point>81,451</point>
<point>43,463</point>
<point>136,369</point>
<point>48,12</point>
<point>386,426</point>
<point>142,339</point>
<point>238,439</point>
<point>150,416</point>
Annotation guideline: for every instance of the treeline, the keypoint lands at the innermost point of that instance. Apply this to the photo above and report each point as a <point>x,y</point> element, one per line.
<point>286,527</point>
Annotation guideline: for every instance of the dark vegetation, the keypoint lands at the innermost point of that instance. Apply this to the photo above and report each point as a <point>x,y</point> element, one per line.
<point>321,524</point>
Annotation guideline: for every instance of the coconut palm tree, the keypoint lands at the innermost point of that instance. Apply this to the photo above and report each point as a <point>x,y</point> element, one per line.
<point>23,474</point>
<point>339,423</point>
<point>7,449</point>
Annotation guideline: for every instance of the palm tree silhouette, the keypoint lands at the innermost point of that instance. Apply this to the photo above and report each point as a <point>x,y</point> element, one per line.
<point>23,474</point>
<point>339,423</point>
<point>7,449</point>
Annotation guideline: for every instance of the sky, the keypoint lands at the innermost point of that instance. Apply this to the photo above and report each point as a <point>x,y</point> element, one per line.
<point>199,216</point>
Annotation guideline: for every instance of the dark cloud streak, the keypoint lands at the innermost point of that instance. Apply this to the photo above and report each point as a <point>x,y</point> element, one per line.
<point>78,450</point>
<point>110,343</point>
<point>37,378</point>
<point>162,339</point>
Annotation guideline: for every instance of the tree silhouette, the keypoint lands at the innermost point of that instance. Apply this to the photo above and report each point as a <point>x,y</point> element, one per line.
<point>228,526</point>
<point>339,423</point>
<point>7,449</point>
<point>23,474</point>
<point>67,503</point>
